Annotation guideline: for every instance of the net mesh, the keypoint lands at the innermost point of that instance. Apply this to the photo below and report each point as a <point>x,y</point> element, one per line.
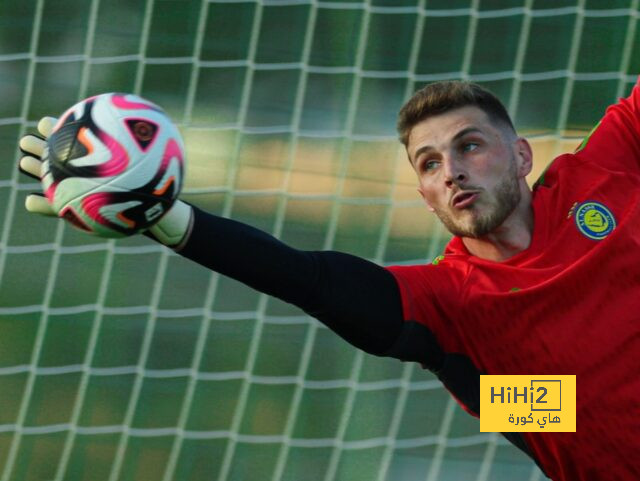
<point>121,360</point>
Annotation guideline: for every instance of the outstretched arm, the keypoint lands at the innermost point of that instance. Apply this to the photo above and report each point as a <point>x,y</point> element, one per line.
<point>357,299</point>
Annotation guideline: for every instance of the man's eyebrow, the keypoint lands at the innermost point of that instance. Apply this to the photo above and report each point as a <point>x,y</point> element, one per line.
<point>460,134</point>
<point>466,131</point>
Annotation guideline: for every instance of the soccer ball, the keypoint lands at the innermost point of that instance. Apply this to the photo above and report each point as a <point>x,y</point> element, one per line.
<point>116,163</point>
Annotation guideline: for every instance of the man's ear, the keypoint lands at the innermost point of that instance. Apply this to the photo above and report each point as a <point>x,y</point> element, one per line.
<point>524,156</point>
<point>419,189</point>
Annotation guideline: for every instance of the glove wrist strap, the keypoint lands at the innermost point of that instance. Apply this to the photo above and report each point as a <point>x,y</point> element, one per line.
<point>174,229</point>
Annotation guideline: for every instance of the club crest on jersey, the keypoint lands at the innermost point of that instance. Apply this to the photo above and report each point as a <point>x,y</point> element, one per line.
<point>594,220</point>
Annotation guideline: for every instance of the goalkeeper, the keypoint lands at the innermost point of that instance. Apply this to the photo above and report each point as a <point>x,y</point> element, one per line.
<point>540,281</point>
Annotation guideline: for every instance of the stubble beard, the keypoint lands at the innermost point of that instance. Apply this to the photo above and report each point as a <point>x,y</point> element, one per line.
<point>478,224</point>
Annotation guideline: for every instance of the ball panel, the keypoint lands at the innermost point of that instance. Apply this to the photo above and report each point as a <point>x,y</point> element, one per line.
<point>70,215</point>
<point>132,102</point>
<point>156,181</point>
<point>81,148</point>
<point>119,158</point>
<point>143,131</point>
<point>124,212</point>
<point>65,145</point>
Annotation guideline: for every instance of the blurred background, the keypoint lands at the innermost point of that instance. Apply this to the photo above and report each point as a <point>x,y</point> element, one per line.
<point>121,360</point>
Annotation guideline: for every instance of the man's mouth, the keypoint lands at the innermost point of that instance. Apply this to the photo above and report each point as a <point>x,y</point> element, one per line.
<point>464,199</point>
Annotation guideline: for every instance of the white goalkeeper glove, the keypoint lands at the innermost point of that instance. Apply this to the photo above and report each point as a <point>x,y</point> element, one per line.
<point>32,164</point>
<point>172,230</point>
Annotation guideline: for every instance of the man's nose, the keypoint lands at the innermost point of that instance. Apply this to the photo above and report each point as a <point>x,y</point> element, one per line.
<point>454,172</point>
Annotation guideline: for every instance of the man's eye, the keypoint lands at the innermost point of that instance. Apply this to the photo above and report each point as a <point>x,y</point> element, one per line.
<point>430,164</point>
<point>469,146</point>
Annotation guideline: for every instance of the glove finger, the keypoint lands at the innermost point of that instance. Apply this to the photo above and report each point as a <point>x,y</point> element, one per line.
<point>46,125</point>
<point>45,174</point>
<point>33,145</point>
<point>38,204</point>
<point>30,166</point>
<point>46,179</point>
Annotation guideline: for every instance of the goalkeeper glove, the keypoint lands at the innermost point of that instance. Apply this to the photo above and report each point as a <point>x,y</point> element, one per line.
<point>172,229</point>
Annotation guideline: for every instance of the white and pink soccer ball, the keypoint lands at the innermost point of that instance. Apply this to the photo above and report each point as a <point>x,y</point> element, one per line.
<point>116,165</point>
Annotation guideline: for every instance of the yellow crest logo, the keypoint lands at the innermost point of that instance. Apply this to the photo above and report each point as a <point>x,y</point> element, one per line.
<point>594,220</point>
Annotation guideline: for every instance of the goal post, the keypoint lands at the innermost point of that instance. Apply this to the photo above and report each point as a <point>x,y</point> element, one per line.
<point>121,360</point>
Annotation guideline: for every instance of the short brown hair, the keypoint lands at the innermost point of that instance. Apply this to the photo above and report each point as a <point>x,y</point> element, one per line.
<point>440,97</point>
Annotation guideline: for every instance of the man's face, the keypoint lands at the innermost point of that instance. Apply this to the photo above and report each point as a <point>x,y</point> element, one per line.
<point>469,170</point>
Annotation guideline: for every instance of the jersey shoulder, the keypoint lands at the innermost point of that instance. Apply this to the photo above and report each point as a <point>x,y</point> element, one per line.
<point>613,144</point>
<point>429,290</point>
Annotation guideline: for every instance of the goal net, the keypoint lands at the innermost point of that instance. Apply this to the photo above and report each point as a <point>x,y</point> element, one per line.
<point>121,360</point>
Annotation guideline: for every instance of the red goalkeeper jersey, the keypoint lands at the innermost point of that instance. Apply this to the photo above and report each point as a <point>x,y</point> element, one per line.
<point>569,304</point>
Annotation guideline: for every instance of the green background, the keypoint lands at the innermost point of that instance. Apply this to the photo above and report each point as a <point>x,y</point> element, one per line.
<point>121,360</point>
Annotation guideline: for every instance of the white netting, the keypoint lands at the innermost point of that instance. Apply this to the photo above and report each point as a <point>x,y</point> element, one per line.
<point>120,360</point>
